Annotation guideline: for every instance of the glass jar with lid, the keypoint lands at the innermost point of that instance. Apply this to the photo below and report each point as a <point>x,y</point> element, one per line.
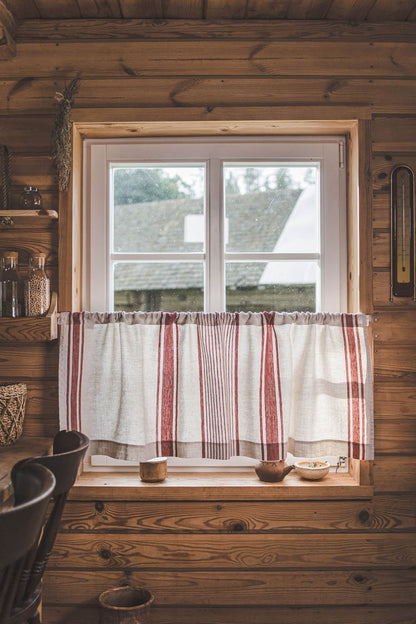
<point>30,198</point>
<point>11,300</point>
<point>37,291</point>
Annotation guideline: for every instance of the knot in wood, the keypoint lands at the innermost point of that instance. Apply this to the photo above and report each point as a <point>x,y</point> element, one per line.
<point>238,527</point>
<point>363,516</point>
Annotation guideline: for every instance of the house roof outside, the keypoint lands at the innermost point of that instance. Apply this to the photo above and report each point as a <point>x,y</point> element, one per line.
<point>261,221</point>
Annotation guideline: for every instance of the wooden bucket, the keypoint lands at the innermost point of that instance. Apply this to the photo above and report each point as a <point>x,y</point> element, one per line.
<point>125,605</point>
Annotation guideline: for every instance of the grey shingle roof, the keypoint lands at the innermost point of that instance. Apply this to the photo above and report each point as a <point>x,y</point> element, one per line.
<point>255,223</point>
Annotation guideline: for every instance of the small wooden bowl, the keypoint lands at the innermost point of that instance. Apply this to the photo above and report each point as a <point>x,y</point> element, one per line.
<point>312,469</point>
<point>154,470</point>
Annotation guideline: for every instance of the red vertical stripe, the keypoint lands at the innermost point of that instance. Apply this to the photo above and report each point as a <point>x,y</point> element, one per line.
<point>261,415</point>
<point>354,385</point>
<point>347,378</point>
<point>281,439</point>
<point>176,391</point>
<point>159,381</point>
<point>360,396</point>
<point>76,331</point>
<point>270,398</point>
<point>168,386</point>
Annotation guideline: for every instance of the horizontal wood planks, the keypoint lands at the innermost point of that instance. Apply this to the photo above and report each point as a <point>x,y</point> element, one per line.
<point>119,551</point>
<point>192,91</point>
<point>176,586</point>
<point>188,58</point>
<point>213,560</point>
<point>249,615</point>
<point>382,513</point>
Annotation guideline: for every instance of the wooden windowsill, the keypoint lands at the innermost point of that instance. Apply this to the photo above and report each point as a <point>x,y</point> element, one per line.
<point>215,486</point>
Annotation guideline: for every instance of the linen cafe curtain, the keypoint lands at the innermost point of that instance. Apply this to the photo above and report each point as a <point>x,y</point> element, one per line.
<point>148,384</point>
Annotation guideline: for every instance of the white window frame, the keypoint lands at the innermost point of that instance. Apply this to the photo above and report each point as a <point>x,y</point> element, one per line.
<point>100,154</point>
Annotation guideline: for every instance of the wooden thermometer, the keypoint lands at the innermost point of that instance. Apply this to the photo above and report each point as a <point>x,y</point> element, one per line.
<point>402,233</point>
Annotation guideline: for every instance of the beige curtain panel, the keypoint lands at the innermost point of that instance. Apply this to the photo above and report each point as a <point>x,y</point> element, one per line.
<point>199,385</point>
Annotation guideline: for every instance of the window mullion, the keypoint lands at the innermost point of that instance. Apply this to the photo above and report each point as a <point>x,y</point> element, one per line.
<point>215,278</point>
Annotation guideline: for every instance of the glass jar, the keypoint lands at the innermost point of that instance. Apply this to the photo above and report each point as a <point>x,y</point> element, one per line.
<point>37,291</point>
<point>11,302</point>
<point>30,198</point>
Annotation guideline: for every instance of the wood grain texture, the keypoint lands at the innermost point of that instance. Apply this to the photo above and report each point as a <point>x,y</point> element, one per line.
<point>381,293</point>
<point>395,400</point>
<point>392,439</point>
<point>190,58</point>
<point>395,362</point>
<point>220,588</point>
<point>364,216</point>
<point>29,361</point>
<point>381,249</point>
<point>393,130</point>
<point>94,9</point>
<point>221,29</point>
<point>31,241</point>
<point>381,209</point>
<point>395,327</point>
<point>261,557</point>
<point>395,474</point>
<point>26,330</point>
<point>247,615</point>
<point>382,513</point>
<point>263,552</point>
<point>216,486</point>
<point>26,135</point>
<point>193,91</point>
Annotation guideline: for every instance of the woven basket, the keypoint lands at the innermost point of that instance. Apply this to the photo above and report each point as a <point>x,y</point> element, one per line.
<point>12,412</point>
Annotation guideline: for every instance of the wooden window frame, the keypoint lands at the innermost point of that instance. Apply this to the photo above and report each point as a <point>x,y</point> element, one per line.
<point>100,123</point>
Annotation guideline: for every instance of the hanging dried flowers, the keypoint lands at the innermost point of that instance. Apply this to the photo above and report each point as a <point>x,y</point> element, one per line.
<point>62,134</point>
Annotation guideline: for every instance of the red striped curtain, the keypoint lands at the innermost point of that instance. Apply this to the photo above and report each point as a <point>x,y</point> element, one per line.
<point>197,385</point>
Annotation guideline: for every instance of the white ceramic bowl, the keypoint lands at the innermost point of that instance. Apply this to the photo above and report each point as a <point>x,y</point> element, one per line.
<point>313,469</point>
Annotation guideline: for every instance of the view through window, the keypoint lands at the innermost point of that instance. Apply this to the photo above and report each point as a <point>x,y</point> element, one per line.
<point>189,226</point>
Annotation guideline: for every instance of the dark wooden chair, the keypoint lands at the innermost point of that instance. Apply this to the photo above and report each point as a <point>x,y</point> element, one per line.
<point>20,527</point>
<point>69,448</point>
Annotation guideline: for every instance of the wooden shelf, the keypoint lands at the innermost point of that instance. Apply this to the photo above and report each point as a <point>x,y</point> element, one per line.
<point>215,486</point>
<point>31,329</point>
<point>27,218</point>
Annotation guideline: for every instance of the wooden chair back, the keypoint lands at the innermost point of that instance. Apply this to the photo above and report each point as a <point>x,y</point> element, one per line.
<point>69,448</point>
<point>20,527</point>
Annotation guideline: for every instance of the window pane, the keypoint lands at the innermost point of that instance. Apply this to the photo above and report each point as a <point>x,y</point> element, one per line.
<point>154,286</point>
<point>159,209</point>
<point>281,286</point>
<point>272,208</point>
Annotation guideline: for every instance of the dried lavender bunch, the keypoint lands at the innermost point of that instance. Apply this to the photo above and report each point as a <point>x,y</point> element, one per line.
<point>62,134</point>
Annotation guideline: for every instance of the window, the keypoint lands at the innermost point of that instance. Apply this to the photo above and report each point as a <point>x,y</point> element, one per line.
<point>215,224</point>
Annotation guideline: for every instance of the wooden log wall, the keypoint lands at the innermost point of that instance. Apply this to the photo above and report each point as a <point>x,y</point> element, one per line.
<point>232,562</point>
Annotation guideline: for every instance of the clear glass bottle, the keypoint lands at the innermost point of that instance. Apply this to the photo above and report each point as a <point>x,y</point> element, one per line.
<point>37,291</point>
<point>10,286</point>
<point>30,198</point>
